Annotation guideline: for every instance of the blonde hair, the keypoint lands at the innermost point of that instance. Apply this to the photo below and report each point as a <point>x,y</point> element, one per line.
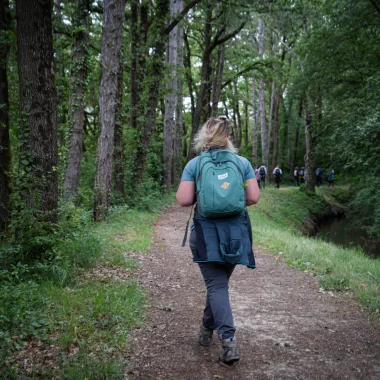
<point>214,133</point>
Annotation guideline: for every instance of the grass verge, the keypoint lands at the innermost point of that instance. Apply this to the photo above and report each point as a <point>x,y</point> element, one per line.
<point>277,221</point>
<point>73,319</point>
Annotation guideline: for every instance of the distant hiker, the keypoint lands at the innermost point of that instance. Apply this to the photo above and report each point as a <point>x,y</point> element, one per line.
<point>277,172</point>
<point>318,174</point>
<point>218,244</point>
<point>263,173</point>
<point>258,178</point>
<point>301,175</point>
<point>331,178</point>
<point>295,177</point>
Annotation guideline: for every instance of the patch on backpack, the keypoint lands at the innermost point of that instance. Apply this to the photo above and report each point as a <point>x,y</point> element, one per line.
<point>223,176</point>
<point>225,185</point>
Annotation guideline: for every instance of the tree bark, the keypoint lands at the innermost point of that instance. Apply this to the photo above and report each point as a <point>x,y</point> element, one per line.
<point>264,141</point>
<point>156,67</point>
<point>77,97</point>
<point>189,78</point>
<point>295,145</point>
<point>170,101</point>
<point>255,124</point>
<point>270,119</point>
<point>238,123</point>
<point>310,182</point>
<point>5,147</point>
<point>113,17</point>
<point>119,140</point>
<point>217,82</point>
<point>38,107</point>
<point>276,107</point>
<point>177,157</point>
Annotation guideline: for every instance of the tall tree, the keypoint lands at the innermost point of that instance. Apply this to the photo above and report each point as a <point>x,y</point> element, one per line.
<point>177,159</point>
<point>171,98</point>
<point>217,80</point>
<point>310,183</point>
<point>79,69</point>
<point>38,108</point>
<point>119,138</point>
<point>5,148</point>
<point>113,17</point>
<point>264,139</point>
<point>210,42</point>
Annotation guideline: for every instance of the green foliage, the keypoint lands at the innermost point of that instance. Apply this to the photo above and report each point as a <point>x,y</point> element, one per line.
<point>365,205</point>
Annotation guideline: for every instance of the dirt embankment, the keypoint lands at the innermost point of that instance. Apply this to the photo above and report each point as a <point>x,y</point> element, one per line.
<point>287,327</point>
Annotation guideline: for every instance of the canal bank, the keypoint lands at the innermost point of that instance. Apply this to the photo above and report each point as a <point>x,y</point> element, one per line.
<point>284,223</point>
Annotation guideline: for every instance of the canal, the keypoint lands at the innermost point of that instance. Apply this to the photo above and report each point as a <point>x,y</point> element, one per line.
<point>340,232</point>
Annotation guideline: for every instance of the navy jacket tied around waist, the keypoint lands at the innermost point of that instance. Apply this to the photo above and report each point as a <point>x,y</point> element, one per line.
<point>224,240</point>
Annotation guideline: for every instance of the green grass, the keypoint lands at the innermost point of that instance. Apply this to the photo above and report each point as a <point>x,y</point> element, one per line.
<point>276,223</point>
<point>84,303</point>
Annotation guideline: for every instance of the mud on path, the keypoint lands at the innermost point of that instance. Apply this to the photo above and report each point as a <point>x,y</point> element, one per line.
<point>287,327</point>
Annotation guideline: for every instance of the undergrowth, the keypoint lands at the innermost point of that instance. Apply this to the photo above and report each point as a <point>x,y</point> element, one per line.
<point>79,300</point>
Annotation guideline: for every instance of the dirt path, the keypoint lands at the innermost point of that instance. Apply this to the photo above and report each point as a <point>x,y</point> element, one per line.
<point>287,328</point>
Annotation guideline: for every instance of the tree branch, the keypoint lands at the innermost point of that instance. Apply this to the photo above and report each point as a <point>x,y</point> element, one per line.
<point>180,16</point>
<point>375,6</point>
<point>218,41</point>
<point>248,68</point>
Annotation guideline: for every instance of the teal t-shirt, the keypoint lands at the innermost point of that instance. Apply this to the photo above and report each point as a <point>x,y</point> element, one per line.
<point>191,167</point>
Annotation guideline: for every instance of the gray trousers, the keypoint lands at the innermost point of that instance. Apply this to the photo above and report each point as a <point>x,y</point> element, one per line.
<point>217,314</point>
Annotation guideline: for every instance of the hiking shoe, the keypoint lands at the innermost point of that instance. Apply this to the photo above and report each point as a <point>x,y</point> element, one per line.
<point>230,353</point>
<point>205,336</point>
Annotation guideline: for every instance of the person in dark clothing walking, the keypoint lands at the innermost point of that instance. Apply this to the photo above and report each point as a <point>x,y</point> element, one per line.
<point>263,173</point>
<point>277,172</point>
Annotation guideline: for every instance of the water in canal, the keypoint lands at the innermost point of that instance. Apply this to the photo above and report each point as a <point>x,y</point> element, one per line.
<point>339,231</point>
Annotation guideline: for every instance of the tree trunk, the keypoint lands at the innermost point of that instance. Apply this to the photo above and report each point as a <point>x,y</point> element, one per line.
<point>238,123</point>
<point>5,147</point>
<point>38,107</point>
<point>170,101</point>
<point>189,78</point>
<point>255,124</point>
<point>246,124</point>
<point>177,159</point>
<point>270,120</point>
<point>204,80</point>
<point>276,107</point>
<point>217,82</point>
<point>264,141</point>
<point>310,182</point>
<point>285,150</point>
<point>297,132</point>
<point>156,69</point>
<point>139,31</point>
<point>119,140</point>
<point>113,17</point>
<point>77,98</point>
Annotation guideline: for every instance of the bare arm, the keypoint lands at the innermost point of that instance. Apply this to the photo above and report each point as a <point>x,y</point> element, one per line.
<point>252,192</point>
<point>186,193</point>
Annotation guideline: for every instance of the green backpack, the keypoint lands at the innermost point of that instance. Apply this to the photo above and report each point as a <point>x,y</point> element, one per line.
<point>219,184</point>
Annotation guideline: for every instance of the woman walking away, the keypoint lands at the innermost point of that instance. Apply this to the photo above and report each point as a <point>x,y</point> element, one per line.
<point>221,237</point>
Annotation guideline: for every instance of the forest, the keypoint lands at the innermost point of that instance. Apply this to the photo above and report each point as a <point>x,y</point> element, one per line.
<point>100,101</point>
